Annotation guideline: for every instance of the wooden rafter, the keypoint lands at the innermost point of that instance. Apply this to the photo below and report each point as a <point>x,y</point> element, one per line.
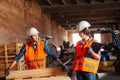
<point>69,12</point>
<point>50,2</point>
<point>64,2</point>
<point>85,7</point>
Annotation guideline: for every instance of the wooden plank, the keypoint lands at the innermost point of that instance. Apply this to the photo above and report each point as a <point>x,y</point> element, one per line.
<point>10,60</point>
<point>2,51</point>
<point>2,67</point>
<point>2,73</point>
<point>21,64</point>
<point>36,73</point>
<point>11,51</point>
<point>11,48</point>
<point>2,56</point>
<point>111,68</point>
<point>106,64</point>
<point>11,45</point>
<point>51,78</point>
<point>19,45</point>
<point>1,47</point>
<point>12,56</point>
<point>17,48</point>
<point>2,61</point>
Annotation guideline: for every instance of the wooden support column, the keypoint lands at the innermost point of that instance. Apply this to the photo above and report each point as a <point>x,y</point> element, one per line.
<point>6,56</point>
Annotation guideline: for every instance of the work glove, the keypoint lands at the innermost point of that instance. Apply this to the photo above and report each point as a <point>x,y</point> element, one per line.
<point>90,50</point>
<point>63,67</point>
<point>7,71</point>
<point>70,73</point>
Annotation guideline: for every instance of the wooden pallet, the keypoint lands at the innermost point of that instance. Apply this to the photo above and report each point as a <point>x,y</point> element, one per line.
<point>7,54</point>
<point>106,63</point>
<point>106,66</point>
<point>40,74</point>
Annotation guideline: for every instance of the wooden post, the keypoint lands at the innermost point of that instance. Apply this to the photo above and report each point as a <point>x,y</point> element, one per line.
<point>6,56</point>
<point>21,63</point>
<point>18,64</point>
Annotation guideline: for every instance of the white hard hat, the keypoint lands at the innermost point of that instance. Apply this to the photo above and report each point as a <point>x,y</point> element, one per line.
<point>32,31</point>
<point>82,25</point>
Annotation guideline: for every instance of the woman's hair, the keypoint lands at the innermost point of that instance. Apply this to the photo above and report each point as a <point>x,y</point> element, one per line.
<point>86,32</point>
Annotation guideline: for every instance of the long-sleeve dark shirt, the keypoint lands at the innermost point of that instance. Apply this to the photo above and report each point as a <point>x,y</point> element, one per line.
<point>46,47</point>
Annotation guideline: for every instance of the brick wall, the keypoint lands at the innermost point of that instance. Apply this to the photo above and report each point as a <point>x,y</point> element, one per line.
<point>17,16</point>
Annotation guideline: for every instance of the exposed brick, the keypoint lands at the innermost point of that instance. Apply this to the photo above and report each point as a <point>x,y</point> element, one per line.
<point>17,16</point>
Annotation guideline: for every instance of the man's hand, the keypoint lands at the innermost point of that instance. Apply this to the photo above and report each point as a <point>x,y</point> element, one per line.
<point>7,72</point>
<point>90,50</point>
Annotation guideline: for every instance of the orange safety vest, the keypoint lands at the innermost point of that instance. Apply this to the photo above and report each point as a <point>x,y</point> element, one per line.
<point>83,63</point>
<point>35,59</point>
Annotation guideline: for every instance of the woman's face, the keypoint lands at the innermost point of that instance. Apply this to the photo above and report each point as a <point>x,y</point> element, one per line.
<point>82,35</point>
<point>34,38</point>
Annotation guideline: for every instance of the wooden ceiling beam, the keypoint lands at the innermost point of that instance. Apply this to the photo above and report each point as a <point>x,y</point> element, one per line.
<point>64,2</point>
<point>81,2</point>
<point>108,25</point>
<point>67,20</point>
<point>93,26</point>
<point>72,21</point>
<point>109,1</point>
<point>77,1</point>
<point>80,8</point>
<point>94,13</point>
<point>91,21</point>
<point>94,2</point>
<point>75,15</point>
<point>87,12</point>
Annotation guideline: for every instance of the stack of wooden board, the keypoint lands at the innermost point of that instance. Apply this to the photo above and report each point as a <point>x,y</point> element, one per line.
<point>106,66</point>
<point>7,54</point>
<point>39,74</point>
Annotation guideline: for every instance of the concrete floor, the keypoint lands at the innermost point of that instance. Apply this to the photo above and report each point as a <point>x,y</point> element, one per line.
<point>109,76</point>
<point>104,76</point>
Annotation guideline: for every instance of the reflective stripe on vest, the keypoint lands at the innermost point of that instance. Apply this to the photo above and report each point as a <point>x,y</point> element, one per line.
<point>37,59</point>
<point>83,63</point>
<point>90,65</point>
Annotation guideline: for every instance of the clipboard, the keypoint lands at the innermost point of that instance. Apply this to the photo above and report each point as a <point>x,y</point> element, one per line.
<point>96,46</point>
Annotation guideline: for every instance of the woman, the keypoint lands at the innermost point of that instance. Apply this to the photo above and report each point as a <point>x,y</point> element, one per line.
<point>86,60</point>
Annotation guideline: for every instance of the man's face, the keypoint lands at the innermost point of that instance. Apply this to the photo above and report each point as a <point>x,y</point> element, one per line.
<point>34,38</point>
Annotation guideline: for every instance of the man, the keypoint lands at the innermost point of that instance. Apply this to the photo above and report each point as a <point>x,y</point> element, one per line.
<point>86,60</point>
<point>34,52</point>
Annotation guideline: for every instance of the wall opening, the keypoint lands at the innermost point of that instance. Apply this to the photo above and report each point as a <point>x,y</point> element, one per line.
<point>75,38</point>
<point>97,36</point>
